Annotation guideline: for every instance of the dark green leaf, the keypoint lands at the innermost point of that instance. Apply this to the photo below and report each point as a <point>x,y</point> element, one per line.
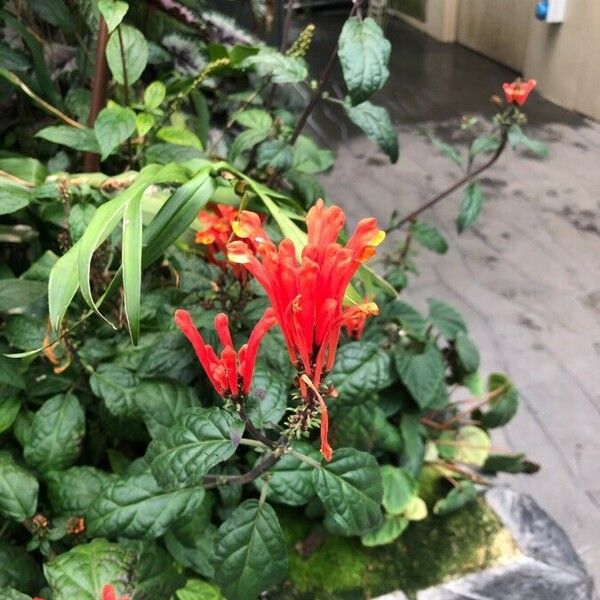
<point>13,60</point>
<point>268,397</point>
<point>158,575</point>
<point>10,405</point>
<point>136,507</point>
<point>509,463</point>
<point>484,144</point>
<point>18,490</point>
<point>55,12</point>
<point>470,206</point>
<point>117,387</point>
<point>414,446</point>
<point>83,140</point>
<point>113,125</point>
<point>467,352</point>
<point>309,158</point>
<point>503,404</point>
<point>429,236</point>
<point>245,141</point>
<point>135,49</point>
<point>277,154</point>
<point>9,593</point>
<point>446,318</point>
<point>171,356</point>
<point>18,569</point>
<point>364,53</point>
<point>351,490</point>
<point>56,433</point>
<point>250,554</point>
<point>411,321</point>
<point>84,570</point>
<point>25,332</point>
<point>200,439</point>
<point>464,493</point>
<point>17,293</point>
<point>361,368</point>
<point>377,125</point>
<point>423,374</point>
<point>160,402</point>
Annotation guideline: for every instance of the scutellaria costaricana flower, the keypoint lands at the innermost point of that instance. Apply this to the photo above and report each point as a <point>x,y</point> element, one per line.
<point>109,593</point>
<point>518,91</point>
<point>231,373</point>
<point>307,294</point>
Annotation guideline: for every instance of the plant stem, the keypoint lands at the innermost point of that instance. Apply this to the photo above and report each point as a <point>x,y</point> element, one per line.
<point>306,459</point>
<point>253,443</point>
<point>213,481</point>
<point>464,180</point>
<point>286,25</point>
<point>123,66</point>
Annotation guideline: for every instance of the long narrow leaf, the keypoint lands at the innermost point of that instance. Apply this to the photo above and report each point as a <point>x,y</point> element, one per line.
<point>62,286</point>
<point>131,260</point>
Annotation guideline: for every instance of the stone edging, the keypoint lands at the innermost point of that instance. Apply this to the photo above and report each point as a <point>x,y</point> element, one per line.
<point>549,568</point>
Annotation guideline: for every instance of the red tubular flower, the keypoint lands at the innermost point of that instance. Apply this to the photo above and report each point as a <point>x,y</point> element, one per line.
<point>109,593</point>
<point>518,91</point>
<point>231,373</point>
<point>354,323</point>
<point>307,295</point>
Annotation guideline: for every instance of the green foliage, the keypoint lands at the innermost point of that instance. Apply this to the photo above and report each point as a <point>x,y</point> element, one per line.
<point>470,207</point>
<point>18,490</point>
<point>113,126</point>
<point>428,236</point>
<point>127,59</point>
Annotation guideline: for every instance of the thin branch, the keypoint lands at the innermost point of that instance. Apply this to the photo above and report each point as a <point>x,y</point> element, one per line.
<point>213,481</point>
<point>286,25</point>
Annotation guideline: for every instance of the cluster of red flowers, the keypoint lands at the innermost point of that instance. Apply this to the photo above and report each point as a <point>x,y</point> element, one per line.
<point>306,290</point>
<point>518,91</point>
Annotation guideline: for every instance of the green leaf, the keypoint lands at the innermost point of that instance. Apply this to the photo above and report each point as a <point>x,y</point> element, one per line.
<point>245,141</point>
<point>113,125</point>
<point>250,554</point>
<point>179,136</point>
<point>279,67</point>
<point>517,137</point>
<point>277,154</point>
<point>18,490</point>
<point>351,490</point>
<point>24,331</point>
<point>13,60</point>
<point>399,487</point>
<point>18,293</point>
<point>161,401</point>
<point>254,118</point>
<point>144,122</point>
<point>268,397</point>
<point>429,236</point>
<point>309,158</point>
<point>200,439</point>
<point>407,317</point>
<point>80,217</point>
<point>290,479</point>
<point>9,593</point>
<point>137,507</point>
<point>83,571</point>
<point>195,589</point>
<point>56,433</point>
<point>461,495</point>
<point>13,197</point>
<point>484,144</point>
<point>10,405</point>
<point>414,447</point>
<point>391,529</point>
<point>416,509</point>
<point>446,149</point>
<point>135,50</point>
<point>29,169</point>
<point>154,95</point>
<point>158,575</point>
<point>377,125</point>
<point>55,12</point>
<point>470,445</point>
<point>113,12</point>
<point>364,53</point>
<point>62,286</point>
<point>170,356</point>
<point>72,491</point>
<point>423,375</point>
<point>503,404</point>
<point>83,140</point>
<point>18,569</point>
<point>361,368</point>
<point>509,463</point>
<point>117,387</point>
<point>470,207</point>
<point>446,318</point>
<point>467,352</point>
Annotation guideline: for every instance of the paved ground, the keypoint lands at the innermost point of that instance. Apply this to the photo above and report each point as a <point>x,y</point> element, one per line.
<point>527,278</point>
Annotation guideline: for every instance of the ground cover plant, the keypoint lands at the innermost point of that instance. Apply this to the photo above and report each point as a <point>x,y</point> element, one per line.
<point>157,184</point>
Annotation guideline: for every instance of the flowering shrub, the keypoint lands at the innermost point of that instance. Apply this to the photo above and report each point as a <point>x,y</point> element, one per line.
<point>126,469</point>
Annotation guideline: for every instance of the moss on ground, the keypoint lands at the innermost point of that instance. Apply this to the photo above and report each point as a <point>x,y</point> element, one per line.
<point>429,552</point>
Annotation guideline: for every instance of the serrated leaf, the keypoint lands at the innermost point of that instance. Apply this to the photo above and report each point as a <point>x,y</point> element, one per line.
<point>268,397</point>
<point>377,125</point>
<point>250,553</point>
<point>470,207</point>
<point>158,574</point>
<point>351,490</point>
<point>423,375</point>
<point>429,236</point>
<point>113,125</point>
<point>446,318</point>
<point>116,386</point>
<point>391,529</point>
<point>113,12</point>
<point>135,50</point>
<point>136,507</point>
<point>83,571</point>
<point>281,68</point>
<point>411,320</point>
<point>254,118</point>
<point>290,479</point>
<point>361,368</point>
<point>309,158</point>
<point>72,491</point>
<point>57,429</point>
<point>458,497</point>
<point>18,490</point>
<point>364,53</point>
<point>170,356</point>
<point>83,140</point>
<point>502,406</point>
<point>18,569</point>
<point>161,401</point>
<point>483,145</point>
<point>179,136</point>
<point>276,154</point>
<point>200,439</point>
<point>467,352</point>
<point>399,487</point>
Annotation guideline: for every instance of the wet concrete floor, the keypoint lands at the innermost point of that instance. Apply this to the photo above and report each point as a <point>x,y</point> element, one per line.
<point>526,278</point>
